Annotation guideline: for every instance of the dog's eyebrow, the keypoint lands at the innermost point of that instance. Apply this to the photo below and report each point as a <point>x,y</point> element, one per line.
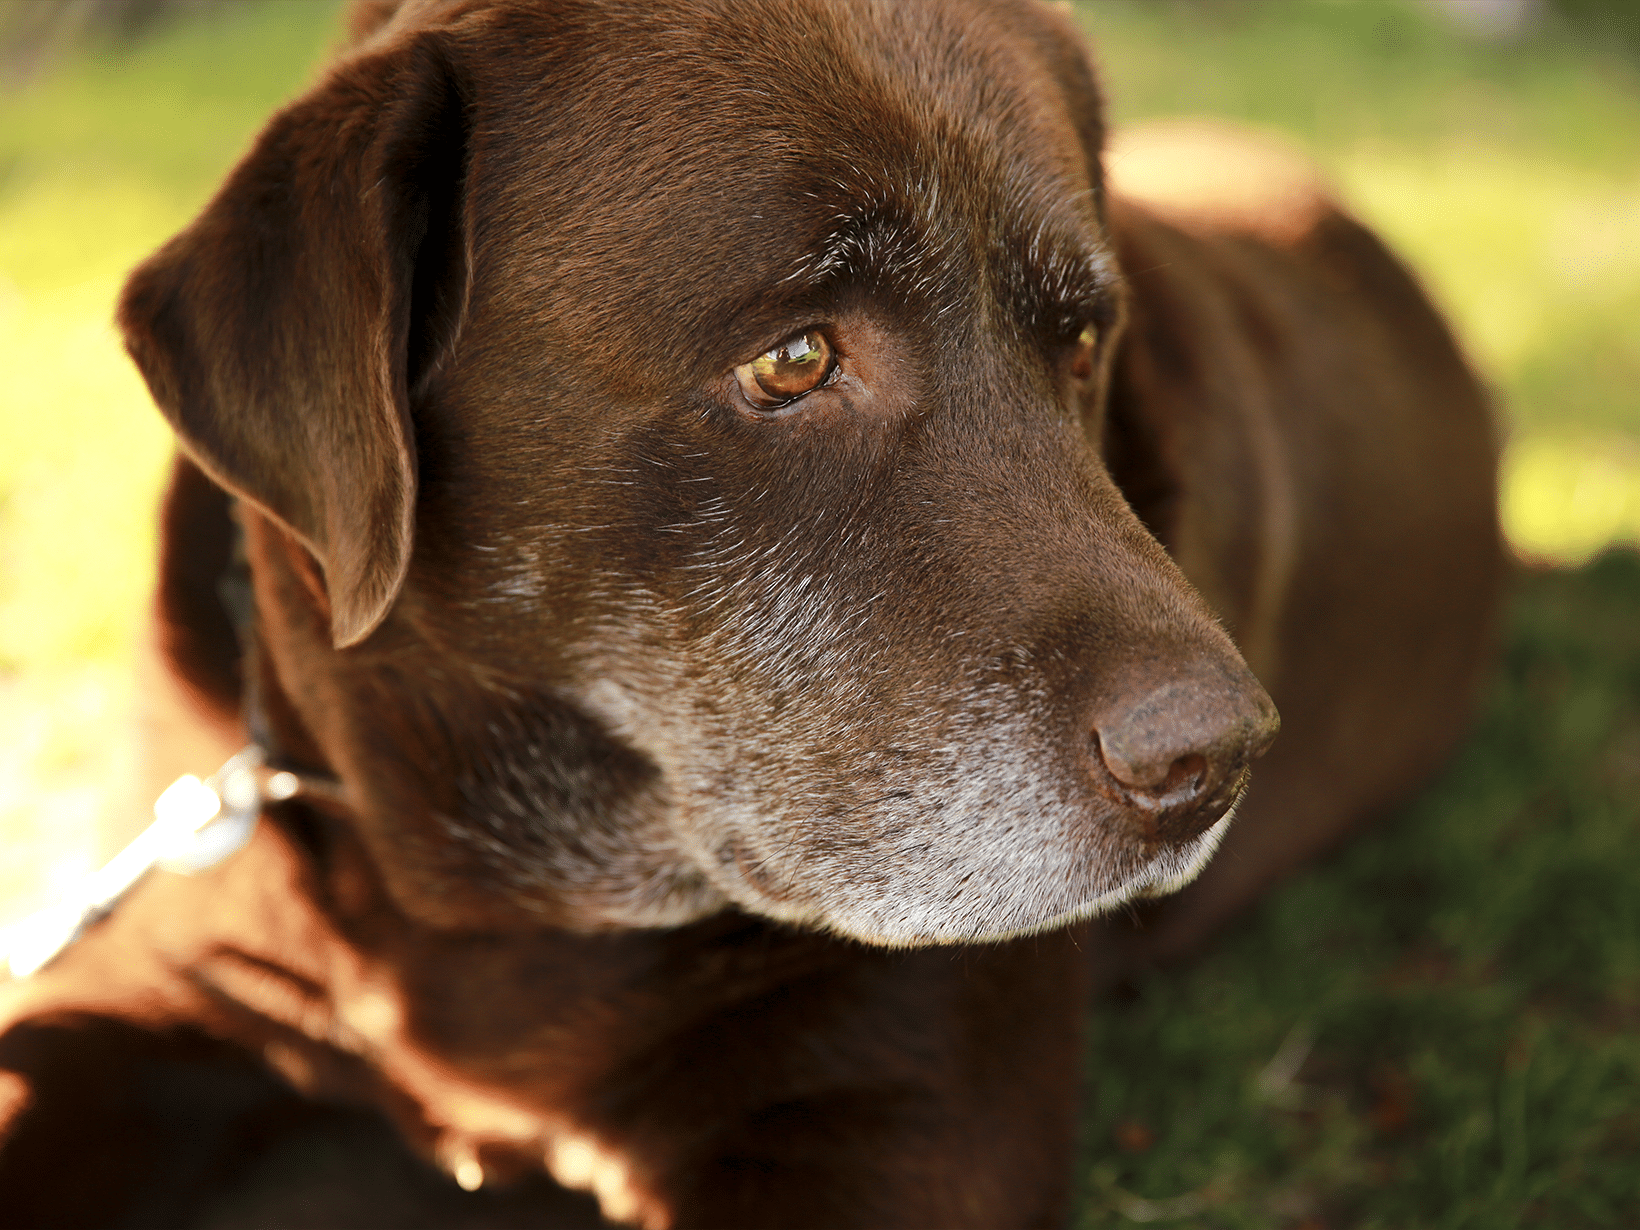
<point>877,243</point>
<point>1052,274</point>
<point>1056,280</point>
<point>881,238</point>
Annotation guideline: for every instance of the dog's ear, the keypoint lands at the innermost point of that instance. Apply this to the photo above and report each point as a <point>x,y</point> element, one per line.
<point>285,333</point>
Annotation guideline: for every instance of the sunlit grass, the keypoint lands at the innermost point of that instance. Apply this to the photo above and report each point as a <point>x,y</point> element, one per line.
<point>1566,499</point>
<point>85,452</point>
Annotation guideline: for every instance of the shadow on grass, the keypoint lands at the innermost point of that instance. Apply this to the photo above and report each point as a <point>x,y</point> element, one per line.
<point>1437,1028</point>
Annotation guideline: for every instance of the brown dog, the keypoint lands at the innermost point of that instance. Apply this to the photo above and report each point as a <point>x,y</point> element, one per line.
<point>704,472</point>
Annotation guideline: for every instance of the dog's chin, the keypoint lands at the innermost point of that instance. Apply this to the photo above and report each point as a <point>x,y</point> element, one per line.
<point>1165,874</point>
<point>987,923</point>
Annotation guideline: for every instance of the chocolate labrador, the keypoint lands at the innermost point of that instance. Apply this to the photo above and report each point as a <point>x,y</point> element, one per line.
<point>744,542</point>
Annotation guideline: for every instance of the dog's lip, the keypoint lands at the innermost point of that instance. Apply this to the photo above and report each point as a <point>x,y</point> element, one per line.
<point>1150,882</point>
<point>755,872</point>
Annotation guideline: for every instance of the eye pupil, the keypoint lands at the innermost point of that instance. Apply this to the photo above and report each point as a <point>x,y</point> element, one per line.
<point>797,366</point>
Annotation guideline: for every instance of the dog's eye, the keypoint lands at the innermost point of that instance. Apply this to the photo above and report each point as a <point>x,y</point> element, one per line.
<point>797,366</point>
<point>1087,344</point>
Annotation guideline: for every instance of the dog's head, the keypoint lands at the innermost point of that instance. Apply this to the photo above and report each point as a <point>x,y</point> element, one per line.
<point>692,409</point>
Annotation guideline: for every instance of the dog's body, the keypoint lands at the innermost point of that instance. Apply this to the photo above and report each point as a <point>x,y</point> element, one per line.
<point>702,755</point>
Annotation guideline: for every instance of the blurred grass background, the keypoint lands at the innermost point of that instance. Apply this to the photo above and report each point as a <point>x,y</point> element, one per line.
<point>1437,1028</point>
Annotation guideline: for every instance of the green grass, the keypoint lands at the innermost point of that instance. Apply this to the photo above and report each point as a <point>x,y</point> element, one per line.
<point>1444,1016</point>
<point>103,155</point>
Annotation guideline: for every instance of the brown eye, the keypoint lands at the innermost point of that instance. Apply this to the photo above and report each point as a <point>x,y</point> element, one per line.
<point>1087,344</point>
<point>797,366</point>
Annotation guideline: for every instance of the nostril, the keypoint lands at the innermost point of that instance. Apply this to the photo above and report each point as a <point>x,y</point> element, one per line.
<point>1185,776</point>
<point>1160,776</point>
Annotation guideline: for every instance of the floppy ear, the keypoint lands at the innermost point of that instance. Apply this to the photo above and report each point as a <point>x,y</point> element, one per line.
<point>286,331</point>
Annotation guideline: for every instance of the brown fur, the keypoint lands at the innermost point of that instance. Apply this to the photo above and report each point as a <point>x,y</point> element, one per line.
<point>701,766</point>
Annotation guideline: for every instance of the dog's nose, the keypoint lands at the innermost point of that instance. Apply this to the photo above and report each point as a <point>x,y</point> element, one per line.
<point>1179,753</point>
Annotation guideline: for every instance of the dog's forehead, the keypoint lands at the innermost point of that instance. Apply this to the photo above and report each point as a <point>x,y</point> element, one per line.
<point>703,168</point>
